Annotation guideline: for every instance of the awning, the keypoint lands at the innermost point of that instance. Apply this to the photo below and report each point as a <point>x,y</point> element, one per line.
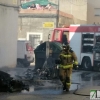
<point>41,2</point>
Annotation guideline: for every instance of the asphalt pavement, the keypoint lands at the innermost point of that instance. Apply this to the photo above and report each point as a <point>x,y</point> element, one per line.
<point>64,96</point>
<point>82,81</point>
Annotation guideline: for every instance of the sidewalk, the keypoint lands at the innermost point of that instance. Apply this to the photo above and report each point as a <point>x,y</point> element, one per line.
<point>74,97</point>
<point>86,90</point>
<point>64,96</point>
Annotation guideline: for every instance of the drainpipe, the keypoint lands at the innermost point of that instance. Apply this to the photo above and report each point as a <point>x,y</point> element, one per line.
<point>57,21</point>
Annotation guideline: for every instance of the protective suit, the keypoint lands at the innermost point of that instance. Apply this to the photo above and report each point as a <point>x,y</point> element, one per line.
<point>66,60</point>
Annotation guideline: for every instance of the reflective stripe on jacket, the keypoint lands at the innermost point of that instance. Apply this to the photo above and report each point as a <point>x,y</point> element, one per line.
<point>68,83</point>
<point>66,66</point>
<point>66,56</point>
<point>67,59</point>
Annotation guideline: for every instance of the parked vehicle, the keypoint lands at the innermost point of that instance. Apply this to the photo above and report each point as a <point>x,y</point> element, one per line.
<point>84,40</point>
<point>25,53</point>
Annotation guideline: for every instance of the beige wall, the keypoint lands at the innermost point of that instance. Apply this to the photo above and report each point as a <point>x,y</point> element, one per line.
<point>29,24</point>
<point>78,8</point>
<point>8,35</point>
<point>91,18</point>
<point>10,2</point>
<point>82,10</point>
<point>26,24</point>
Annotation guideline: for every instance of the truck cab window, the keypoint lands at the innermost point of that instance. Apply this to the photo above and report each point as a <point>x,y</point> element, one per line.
<point>65,37</point>
<point>57,35</point>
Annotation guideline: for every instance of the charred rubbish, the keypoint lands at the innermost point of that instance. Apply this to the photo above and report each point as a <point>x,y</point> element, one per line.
<point>44,77</point>
<point>9,84</point>
<point>46,73</point>
<point>42,74</point>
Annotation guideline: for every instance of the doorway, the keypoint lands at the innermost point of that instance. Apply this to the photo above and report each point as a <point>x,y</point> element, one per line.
<point>34,38</point>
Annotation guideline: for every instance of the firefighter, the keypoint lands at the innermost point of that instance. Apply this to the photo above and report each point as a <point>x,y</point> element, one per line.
<point>67,59</point>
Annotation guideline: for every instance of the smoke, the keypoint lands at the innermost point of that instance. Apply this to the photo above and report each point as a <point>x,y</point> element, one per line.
<point>31,90</point>
<point>42,90</point>
<point>15,71</point>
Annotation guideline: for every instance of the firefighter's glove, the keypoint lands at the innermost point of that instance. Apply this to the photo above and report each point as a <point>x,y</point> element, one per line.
<point>57,61</point>
<point>75,63</point>
<point>75,66</point>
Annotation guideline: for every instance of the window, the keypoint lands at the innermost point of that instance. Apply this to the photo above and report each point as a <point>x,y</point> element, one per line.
<point>65,37</point>
<point>57,35</point>
<point>97,11</point>
<point>66,33</point>
<point>34,39</point>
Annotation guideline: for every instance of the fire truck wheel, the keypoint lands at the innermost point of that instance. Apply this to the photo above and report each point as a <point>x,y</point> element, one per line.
<point>86,63</point>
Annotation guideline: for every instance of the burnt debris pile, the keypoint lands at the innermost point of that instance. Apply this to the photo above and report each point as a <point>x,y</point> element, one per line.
<point>45,73</point>
<point>48,71</point>
<point>9,84</point>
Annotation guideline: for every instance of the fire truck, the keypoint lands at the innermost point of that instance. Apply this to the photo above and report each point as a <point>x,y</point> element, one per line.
<point>84,41</point>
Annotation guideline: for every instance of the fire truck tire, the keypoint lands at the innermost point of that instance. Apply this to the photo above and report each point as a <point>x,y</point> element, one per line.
<point>86,64</point>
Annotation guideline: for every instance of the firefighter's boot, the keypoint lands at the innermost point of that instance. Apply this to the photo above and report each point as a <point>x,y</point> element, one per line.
<point>64,86</point>
<point>67,84</point>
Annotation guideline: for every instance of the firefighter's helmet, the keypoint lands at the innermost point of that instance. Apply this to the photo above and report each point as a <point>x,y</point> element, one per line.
<point>66,47</point>
<point>63,45</point>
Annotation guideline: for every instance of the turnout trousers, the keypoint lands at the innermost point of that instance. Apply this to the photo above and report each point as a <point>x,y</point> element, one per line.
<point>65,76</point>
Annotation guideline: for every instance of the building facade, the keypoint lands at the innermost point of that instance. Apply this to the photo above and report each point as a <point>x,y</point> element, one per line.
<point>31,20</point>
<point>70,12</point>
<point>77,8</point>
<point>93,12</point>
<point>83,11</point>
<point>8,32</point>
<point>33,24</point>
<point>87,11</point>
